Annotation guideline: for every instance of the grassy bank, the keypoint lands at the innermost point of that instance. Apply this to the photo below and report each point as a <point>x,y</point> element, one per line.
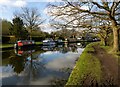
<point>6,45</point>
<point>87,67</point>
<point>38,43</point>
<point>93,66</point>
<point>108,49</point>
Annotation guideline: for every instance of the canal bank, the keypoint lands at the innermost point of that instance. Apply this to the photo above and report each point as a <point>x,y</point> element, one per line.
<point>6,46</point>
<point>11,46</point>
<point>95,67</point>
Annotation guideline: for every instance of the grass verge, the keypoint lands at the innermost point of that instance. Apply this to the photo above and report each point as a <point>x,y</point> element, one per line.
<point>6,45</point>
<point>108,49</point>
<point>37,43</point>
<point>87,67</point>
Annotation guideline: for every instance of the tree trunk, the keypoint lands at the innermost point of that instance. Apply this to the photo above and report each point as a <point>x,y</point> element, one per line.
<point>30,37</point>
<point>116,44</point>
<point>119,38</point>
<point>30,34</point>
<point>105,41</point>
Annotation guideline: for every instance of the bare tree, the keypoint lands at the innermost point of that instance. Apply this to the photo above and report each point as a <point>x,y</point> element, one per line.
<point>104,31</point>
<point>31,18</point>
<point>84,14</point>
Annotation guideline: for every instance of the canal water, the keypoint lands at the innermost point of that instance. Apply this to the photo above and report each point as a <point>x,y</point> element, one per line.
<point>41,65</point>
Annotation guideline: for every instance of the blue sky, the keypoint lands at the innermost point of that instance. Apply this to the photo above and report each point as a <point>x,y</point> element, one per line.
<point>8,10</point>
<point>8,7</point>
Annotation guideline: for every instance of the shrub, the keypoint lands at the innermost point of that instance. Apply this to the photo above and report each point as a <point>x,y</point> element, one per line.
<point>37,38</point>
<point>12,39</point>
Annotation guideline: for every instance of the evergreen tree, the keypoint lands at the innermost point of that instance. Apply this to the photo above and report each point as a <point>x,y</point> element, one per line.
<point>18,29</point>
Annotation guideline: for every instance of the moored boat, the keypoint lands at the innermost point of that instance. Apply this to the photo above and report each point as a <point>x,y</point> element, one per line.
<point>48,42</point>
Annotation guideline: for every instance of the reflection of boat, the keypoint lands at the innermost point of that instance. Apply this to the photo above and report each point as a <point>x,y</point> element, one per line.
<point>79,44</point>
<point>59,41</point>
<point>22,52</point>
<point>49,47</point>
<point>22,43</point>
<point>49,42</point>
<point>59,46</point>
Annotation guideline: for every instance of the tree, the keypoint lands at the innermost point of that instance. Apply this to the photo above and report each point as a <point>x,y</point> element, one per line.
<point>6,25</point>
<point>31,18</point>
<point>65,33</point>
<point>104,33</point>
<point>84,14</point>
<point>18,29</point>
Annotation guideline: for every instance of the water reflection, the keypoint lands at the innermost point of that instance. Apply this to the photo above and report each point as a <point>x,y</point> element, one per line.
<point>17,63</point>
<point>33,67</point>
<point>38,66</point>
<point>30,64</point>
<point>21,52</point>
<point>62,48</point>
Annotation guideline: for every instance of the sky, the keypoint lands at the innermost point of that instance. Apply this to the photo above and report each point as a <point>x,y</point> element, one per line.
<point>9,7</point>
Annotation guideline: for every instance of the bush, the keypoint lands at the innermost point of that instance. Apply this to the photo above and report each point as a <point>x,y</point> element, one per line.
<point>12,39</point>
<point>37,38</point>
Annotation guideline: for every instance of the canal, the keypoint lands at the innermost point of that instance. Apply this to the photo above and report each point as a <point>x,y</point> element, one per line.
<point>41,65</point>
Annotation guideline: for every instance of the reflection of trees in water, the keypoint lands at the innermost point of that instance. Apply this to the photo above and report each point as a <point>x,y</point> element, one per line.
<point>18,63</point>
<point>61,81</point>
<point>66,70</point>
<point>30,65</point>
<point>72,47</point>
<point>84,44</point>
<point>69,47</point>
<point>65,50</point>
<point>6,54</point>
<point>66,47</point>
<point>58,82</point>
<point>33,67</point>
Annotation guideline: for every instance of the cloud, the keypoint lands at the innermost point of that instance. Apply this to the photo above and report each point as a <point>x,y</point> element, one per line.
<point>45,11</point>
<point>46,27</point>
<point>85,7</point>
<point>13,3</point>
<point>44,0</point>
<point>20,3</point>
<point>53,0</point>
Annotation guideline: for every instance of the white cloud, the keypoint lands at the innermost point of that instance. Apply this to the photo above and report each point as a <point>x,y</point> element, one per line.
<point>44,0</point>
<point>47,28</point>
<point>45,11</point>
<point>13,3</point>
<point>19,3</point>
<point>85,7</point>
<point>53,0</point>
<point>5,2</point>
